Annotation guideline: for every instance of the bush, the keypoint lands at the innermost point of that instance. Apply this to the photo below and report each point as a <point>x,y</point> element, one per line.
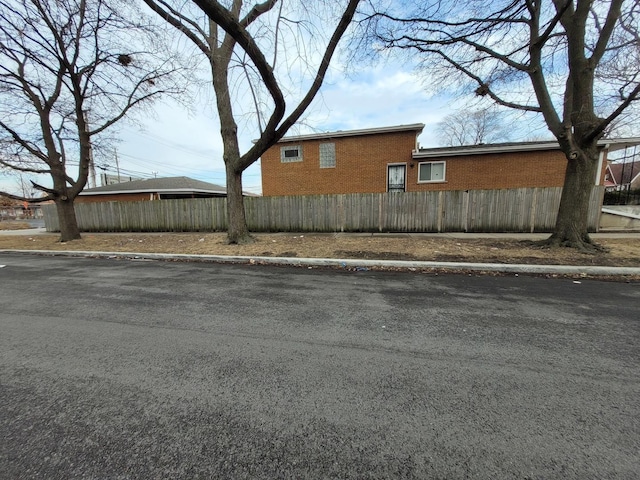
<point>622,197</point>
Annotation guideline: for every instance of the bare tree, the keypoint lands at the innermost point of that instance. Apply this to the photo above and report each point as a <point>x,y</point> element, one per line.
<point>575,62</point>
<point>472,128</point>
<point>70,70</point>
<point>232,32</point>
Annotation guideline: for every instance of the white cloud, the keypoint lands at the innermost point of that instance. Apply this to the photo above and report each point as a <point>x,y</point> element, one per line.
<point>381,97</point>
<point>175,143</point>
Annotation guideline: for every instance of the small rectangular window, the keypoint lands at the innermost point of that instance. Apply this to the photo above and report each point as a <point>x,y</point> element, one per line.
<point>291,154</point>
<point>431,172</point>
<point>327,155</point>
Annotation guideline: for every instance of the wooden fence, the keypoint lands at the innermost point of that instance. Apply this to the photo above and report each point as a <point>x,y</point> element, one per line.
<point>513,210</point>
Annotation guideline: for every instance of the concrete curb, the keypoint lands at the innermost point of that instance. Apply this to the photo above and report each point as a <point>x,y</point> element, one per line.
<point>351,263</point>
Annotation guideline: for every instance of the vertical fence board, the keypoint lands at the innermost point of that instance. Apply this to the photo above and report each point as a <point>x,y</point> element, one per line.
<point>453,210</point>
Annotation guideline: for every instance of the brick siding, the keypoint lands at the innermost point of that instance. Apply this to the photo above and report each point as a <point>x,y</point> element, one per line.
<point>121,197</point>
<point>361,165</point>
<point>495,171</point>
<point>362,161</point>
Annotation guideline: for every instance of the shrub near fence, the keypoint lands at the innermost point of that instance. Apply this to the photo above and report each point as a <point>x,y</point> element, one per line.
<point>514,210</point>
<point>625,196</point>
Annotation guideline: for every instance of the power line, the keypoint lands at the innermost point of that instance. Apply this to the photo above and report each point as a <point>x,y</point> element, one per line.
<point>175,146</point>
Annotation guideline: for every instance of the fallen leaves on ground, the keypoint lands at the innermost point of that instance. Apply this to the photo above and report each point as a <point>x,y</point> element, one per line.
<point>620,252</point>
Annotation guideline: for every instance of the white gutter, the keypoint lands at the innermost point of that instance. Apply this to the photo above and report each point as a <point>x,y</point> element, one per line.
<point>600,160</point>
<point>611,144</point>
<point>620,213</point>
<point>415,127</point>
<point>479,150</point>
<point>154,190</point>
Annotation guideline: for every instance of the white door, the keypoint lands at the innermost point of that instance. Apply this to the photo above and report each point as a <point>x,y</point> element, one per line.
<point>396,175</point>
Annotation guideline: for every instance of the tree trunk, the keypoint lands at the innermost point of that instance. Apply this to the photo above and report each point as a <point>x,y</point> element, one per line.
<point>572,223</point>
<point>219,59</point>
<point>67,219</point>
<point>238,233</point>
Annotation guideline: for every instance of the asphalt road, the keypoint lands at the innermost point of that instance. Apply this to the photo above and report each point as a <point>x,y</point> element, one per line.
<point>113,369</point>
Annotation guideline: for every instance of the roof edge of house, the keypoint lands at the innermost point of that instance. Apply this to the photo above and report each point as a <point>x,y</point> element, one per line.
<point>414,127</point>
<point>617,143</point>
<point>151,190</point>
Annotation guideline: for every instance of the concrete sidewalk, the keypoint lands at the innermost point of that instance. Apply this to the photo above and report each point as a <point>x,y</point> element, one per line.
<point>361,264</point>
<point>351,264</point>
<point>27,231</point>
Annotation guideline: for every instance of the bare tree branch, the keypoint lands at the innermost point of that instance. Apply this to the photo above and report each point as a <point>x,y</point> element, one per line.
<point>182,23</point>
<point>63,61</point>
<point>602,126</point>
<point>580,59</point>
<point>220,51</point>
<point>23,143</point>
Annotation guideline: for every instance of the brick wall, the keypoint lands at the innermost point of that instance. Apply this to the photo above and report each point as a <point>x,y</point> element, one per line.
<point>361,165</point>
<point>494,171</point>
<point>123,197</point>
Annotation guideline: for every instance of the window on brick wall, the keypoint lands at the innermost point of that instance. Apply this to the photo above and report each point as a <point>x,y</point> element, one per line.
<point>431,172</point>
<point>291,154</point>
<point>327,155</point>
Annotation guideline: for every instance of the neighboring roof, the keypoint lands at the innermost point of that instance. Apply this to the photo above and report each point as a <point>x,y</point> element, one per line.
<point>6,202</point>
<point>624,173</point>
<point>171,185</point>
<point>609,144</point>
<point>415,127</point>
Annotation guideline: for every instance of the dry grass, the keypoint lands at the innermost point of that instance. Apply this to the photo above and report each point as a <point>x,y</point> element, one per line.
<point>14,225</point>
<point>621,252</point>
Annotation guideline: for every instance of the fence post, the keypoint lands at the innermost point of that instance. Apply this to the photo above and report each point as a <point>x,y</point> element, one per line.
<point>465,210</point>
<point>534,207</point>
<point>440,210</point>
<point>380,212</point>
<point>341,213</point>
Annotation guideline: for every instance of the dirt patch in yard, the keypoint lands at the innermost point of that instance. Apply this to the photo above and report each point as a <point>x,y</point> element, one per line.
<point>620,251</point>
<point>13,225</point>
<point>373,255</point>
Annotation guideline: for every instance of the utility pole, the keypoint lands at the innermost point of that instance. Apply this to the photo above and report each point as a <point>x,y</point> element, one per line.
<point>92,167</point>
<point>117,165</point>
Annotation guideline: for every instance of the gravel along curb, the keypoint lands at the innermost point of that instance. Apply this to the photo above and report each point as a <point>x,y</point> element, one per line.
<point>353,264</point>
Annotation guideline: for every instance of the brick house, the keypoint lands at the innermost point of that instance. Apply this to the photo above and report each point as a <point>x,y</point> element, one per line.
<point>15,209</point>
<point>389,159</point>
<point>623,175</point>
<point>152,189</point>
<point>354,161</point>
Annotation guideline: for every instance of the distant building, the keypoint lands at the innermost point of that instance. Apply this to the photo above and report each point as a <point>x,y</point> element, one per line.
<point>622,176</point>
<point>153,189</point>
<point>11,209</point>
<point>106,179</point>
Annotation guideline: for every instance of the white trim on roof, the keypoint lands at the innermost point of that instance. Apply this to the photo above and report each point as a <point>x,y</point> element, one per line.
<point>483,149</point>
<point>609,144</point>
<point>153,190</point>
<point>614,144</point>
<point>414,127</point>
